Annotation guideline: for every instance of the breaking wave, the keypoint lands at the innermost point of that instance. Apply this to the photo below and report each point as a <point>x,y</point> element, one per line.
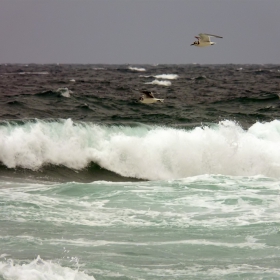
<point>144,152</point>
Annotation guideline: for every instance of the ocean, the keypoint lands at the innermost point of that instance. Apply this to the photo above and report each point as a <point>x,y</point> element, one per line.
<point>95,185</point>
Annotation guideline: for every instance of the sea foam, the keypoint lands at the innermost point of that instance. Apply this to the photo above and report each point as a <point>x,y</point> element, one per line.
<point>65,92</point>
<point>137,69</point>
<point>160,83</point>
<point>145,152</point>
<point>39,269</point>
<point>167,76</point>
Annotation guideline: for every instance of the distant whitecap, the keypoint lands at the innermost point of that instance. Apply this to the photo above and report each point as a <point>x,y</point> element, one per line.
<point>137,69</point>
<point>167,76</point>
<point>160,83</point>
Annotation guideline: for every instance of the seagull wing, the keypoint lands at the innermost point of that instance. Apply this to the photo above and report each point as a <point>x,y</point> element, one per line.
<point>204,37</point>
<point>211,35</point>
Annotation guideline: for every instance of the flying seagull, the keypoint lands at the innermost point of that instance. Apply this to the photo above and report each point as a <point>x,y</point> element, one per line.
<point>203,40</point>
<point>148,97</point>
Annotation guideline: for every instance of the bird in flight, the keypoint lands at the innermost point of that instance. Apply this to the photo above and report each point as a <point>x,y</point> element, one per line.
<point>203,40</point>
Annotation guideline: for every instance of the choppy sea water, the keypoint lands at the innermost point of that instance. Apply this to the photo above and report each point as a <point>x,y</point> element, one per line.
<point>95,185</point>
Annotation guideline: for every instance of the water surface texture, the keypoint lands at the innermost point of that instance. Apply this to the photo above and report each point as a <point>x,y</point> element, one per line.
<point>95,185</point>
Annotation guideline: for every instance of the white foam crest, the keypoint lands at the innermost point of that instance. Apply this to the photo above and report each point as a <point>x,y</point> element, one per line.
<point>136,69</point>
<point>65,92</point>
<point>167,76</point>
<point>155,154</point>
<point>160,83</point>
<point>39,269</point>
<point>226,149</point>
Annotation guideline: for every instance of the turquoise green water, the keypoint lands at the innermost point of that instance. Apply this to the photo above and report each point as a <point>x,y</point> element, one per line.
<point>210,227</point>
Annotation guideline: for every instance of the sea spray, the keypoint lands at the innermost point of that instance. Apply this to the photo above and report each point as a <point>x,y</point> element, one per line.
<point>152,153</point>
<point>39,269</point>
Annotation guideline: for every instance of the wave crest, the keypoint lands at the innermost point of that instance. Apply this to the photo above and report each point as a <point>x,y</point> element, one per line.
<point>144,152</point>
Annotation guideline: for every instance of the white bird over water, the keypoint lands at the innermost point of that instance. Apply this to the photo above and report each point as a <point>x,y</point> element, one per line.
<point>148,97</point>
<point>203,40</point>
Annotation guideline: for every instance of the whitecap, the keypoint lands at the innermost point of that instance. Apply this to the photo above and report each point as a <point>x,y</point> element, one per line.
<point>65,92</point>
<point>160,83</point>
<point>137,69</point>
<point>167,76</point>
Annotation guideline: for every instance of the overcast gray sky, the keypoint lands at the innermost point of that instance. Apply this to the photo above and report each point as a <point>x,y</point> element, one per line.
<point>138,31</point>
